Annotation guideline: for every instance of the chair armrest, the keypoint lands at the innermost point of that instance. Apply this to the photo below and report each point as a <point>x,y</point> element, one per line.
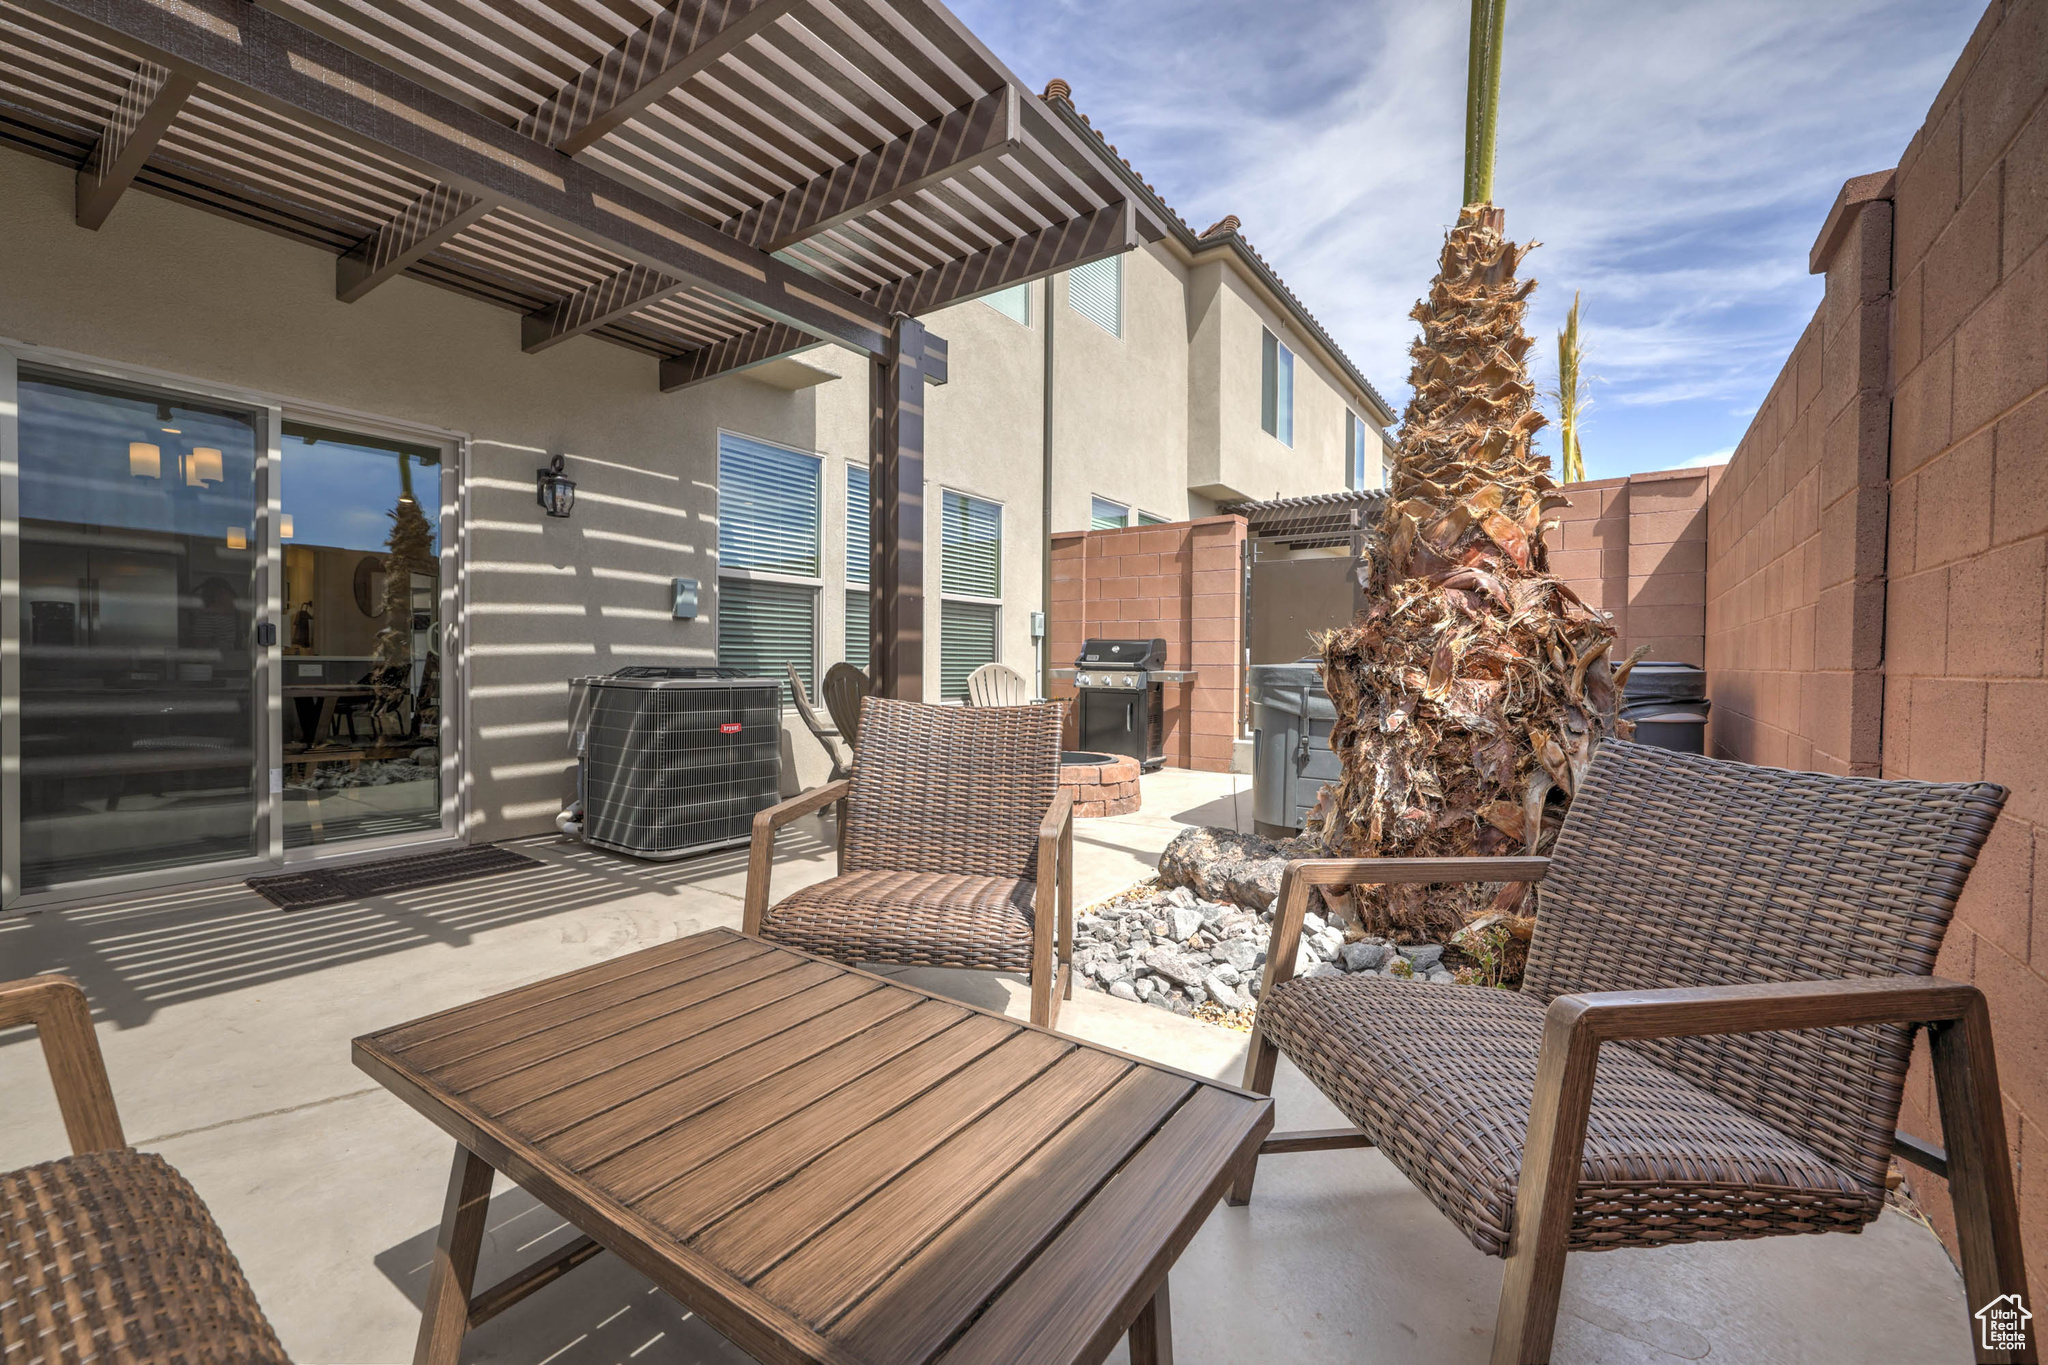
<point>1303,873</point>
<point>1762,1007</point>
<point>761,852</point>
<point>1058,816</point>
<point>63,1020</point>
<point>1053,875</point>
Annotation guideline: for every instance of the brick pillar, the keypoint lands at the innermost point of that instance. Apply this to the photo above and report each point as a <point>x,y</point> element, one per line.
<point>1842,702</point>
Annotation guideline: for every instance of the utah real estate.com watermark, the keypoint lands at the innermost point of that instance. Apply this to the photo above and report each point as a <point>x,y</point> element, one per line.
<point>2003,1323</point>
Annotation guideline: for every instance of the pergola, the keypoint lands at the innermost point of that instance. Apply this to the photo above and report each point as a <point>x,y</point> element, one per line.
<point>717,182</point>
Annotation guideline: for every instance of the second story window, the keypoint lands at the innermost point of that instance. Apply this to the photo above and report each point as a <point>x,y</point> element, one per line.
<point>1096,292</point>
<point>1104,515</point>
<point>1362,467</point>
<point>1276,389</point>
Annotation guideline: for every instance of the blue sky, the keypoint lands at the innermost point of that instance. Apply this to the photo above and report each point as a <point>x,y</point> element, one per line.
<point>1675,158</point>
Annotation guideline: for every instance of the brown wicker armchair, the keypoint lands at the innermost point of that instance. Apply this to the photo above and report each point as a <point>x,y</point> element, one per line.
<point>1752,947</point>
<point>108,1254</point>
<point>956,849</point>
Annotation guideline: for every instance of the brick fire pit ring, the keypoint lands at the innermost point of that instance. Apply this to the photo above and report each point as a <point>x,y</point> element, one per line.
<point>1103,784</point>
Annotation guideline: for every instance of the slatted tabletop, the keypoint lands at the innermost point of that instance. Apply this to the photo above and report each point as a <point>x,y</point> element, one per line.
<point>831,1166</point>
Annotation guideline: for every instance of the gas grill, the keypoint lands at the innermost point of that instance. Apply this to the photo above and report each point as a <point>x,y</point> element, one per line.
<point>1121,706</point>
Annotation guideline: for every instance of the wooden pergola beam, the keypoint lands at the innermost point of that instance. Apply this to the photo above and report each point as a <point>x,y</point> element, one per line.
<point>896,515</point>
<point>1107,231</point>
<point>591,307</point>
<point>138,123</point>
<point>430,221</point>
<point>275,63</point>
<point>654,59</point>
<point>961,140</point>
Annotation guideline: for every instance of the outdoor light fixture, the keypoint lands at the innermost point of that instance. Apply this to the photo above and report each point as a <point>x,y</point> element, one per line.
<point>284,526</point>
<point>554,490</point>
<point>238,538</point>
<point>145,461</point>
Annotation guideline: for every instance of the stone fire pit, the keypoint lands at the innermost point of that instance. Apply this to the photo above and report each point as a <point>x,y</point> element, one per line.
<point>1103,784</point>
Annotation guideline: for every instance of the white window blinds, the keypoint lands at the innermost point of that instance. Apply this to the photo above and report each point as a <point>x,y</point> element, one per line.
<point>768,501</point>
<point>967,640</point>
<point>1096,292</point>
<point>857,546</point>
<point>972,546</point>
<point>1104,514</point>
<point>763,626</point>
<point>856,650</point>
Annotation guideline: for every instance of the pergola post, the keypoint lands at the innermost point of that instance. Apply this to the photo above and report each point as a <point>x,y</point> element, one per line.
<point>896,508</point>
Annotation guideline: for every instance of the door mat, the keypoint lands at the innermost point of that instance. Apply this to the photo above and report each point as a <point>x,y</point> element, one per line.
<point>330,886</point>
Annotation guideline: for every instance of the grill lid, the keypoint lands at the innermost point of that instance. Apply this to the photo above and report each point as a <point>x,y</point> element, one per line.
<point>1122,654</point>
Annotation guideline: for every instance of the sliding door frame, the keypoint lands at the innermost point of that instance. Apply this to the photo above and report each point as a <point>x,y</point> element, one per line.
<point>268,680</point>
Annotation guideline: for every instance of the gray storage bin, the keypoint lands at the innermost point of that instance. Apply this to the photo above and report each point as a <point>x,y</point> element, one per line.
<point>1291,756</point>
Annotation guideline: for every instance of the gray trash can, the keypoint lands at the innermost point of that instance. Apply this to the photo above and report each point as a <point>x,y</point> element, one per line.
<point>1668,703</point>
<point>1291,757</point>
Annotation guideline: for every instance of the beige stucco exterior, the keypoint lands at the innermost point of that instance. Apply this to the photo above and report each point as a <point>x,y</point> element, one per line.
<point>1157,418</point>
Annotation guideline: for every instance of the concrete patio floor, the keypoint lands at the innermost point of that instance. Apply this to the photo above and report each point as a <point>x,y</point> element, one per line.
<point>226,1026</point>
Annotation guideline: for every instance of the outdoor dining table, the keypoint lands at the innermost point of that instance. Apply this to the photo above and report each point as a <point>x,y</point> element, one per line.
<point>824,1164</point>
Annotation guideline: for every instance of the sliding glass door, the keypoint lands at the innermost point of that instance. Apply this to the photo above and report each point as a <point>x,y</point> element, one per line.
<point>362,668</point>
<point>222,641</point>
<point>138,603</point>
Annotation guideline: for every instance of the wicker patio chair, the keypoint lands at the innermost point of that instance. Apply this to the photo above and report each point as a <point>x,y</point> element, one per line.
<point>844,689</point>
<point>108,1254</point>
<point>1752,947</point>
<point>997,685</point>
<point>956,849</point>
<point>827,739</point>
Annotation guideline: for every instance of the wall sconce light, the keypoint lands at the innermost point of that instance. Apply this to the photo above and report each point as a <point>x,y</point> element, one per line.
<point>284,526</point>
<point>145,461</point>
<point>203,466</point>
<point>554,490</point>
<point>238,538</point>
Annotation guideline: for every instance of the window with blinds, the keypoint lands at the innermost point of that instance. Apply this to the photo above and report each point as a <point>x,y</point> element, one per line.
<point>1276,388</point>
<point>1104,514</point>
<point>856,650</point>
<point>971,546</point>
<point>967,640</point>
<point>768,501</point>
<point>1147,519</point>
<point>1014,302</point>
<point>769,506</point>
<point>858,549</point>
<point>764,626</point>
<point>1096,292</point>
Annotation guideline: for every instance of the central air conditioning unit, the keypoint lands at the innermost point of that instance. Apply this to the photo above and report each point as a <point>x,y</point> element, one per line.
<point>674,761</point>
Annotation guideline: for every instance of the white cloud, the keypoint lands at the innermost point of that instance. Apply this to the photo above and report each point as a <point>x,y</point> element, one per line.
<point>1676,159</point>
<point>1712,457</point>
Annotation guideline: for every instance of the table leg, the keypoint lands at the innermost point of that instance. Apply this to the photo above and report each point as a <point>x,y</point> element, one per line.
<point>1152,1333</point>
<point>455,1251</point>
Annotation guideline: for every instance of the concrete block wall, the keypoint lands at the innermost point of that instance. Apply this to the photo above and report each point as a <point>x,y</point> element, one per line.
<point>1894,491</point>
<point>1636,547</point>
<point>1796,529</point>
<point>1965,691</point>
<point>1181,582</point>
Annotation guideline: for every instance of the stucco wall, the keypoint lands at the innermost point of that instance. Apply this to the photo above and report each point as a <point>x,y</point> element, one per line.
<point>171,289</point>
<point>1120,407</point>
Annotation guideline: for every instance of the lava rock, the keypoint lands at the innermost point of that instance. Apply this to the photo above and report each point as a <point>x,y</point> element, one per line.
<point>1422,956</point>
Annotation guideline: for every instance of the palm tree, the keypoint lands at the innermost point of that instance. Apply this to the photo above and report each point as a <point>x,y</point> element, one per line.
<point>1570,394</point>
<point>1471,692</point>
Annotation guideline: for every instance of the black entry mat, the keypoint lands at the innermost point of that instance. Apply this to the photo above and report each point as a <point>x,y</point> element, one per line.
<point>329,886</point>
